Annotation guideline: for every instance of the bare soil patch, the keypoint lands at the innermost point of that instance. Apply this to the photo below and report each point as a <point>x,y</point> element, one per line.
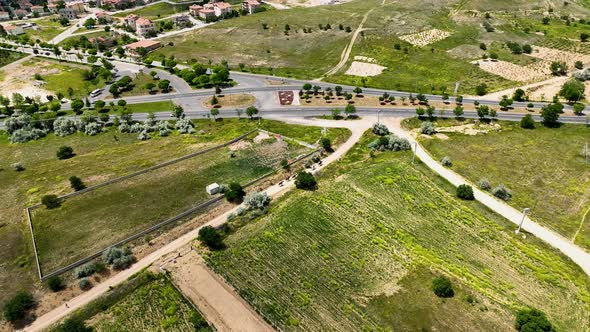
<point>364,69</point>
<point>513,71</point>
<point>426,37</point>
<point>552,54</point>
<point>231,100</point>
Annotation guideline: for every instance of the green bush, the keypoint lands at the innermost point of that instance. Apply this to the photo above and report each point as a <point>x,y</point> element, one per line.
<point>326,144</point>
<point>55,283</point>
<point>65,152</point>
<point>234,193</point>
<point>76,183</point>
<point>442,287</point>
<point>305,181</point>
<point>527,122</point>
<point>84,284</point>
<point>50,201</point>
<point>211,237</point>
<point>73,324</point>
<point>16,308</point>
<point>446,161</point>
<point>465,191</point>
<point>532,320</point>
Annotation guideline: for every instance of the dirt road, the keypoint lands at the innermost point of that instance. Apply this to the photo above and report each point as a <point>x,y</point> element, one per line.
<point>217,300</point>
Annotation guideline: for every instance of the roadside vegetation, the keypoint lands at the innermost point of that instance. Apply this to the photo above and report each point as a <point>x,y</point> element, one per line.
<point>364,250</point>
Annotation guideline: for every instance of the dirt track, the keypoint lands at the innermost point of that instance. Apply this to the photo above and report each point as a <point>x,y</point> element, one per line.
<point>222,306</point>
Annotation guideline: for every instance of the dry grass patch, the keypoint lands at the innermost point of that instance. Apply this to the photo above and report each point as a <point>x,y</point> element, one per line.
<point>231,100</point>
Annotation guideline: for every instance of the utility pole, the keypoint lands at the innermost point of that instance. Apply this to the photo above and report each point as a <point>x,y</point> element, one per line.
<point>414,155</point>
<point>525,211</point>
<point>378,116</point>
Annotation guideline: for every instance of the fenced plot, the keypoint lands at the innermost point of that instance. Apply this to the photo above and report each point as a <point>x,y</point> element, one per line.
<point>92,221</point>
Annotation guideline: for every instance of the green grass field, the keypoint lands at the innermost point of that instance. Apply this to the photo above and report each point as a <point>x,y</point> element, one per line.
<point>298,54</point>
<point>48,29</point>
<point>63,76</point>
<point>156,11</point>
<point>99,158</point>
<point>156,106</point>
<point>145,302</point>
<point>155,306</point>
<point>7,57</point>
<point>113,213</point>
<point>360,252</point>
<point>543,167</point>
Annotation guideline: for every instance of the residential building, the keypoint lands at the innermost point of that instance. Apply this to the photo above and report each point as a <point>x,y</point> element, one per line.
<point>207,14</point>
<point>13,30</point>
<point>68,13</point>
<point>194,10</point>
<point>182,21</point>
<point>130,20</point>
<point>148,45</point>
<point>4,16</point>
<point>117,3</point>
<point>222,8</point>
<point>250,6</point>
<point>77,6</point>
<point>37,9</point>
<point>144,26</point>
<point>21,13</point>
<point>52,7</point>
<point>104,16</point>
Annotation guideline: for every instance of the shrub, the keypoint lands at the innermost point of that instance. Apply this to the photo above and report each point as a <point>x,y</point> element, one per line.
<point>50,201</point>
<point>484,184</point>
<point>442,287</point>
<point>123,262</point>
<point>27,134</point>
<point>18,167</point>
<point>17,307</point>
<point>84,284</point>
<point>465,191</point>
<point>446,161</point>
<point>64,126</point>
<point>210,237</point>
<point>527,122</point>
<point>380,129</point>
<point>583,75</point>
<point>502,192</point>
<point>93,128</point>
<point>533,320</point>
<point>428,128</point>
<point>326,144</point>
<point>184,126</point>
<point>77,183</point>
<point>143,136</point>
<point>391,143</point>
<point>55,283</point>
<point>64,152</point>
<point>305,181</point>
<point>73,324</point>
<point>257,200</point>
<point>85,270</point>
<point>234,193</point>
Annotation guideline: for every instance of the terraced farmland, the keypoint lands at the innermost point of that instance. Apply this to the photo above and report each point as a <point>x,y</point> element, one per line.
<point>359,254</point>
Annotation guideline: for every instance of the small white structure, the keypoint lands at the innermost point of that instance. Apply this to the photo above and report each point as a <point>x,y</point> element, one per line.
<point>213,188</point>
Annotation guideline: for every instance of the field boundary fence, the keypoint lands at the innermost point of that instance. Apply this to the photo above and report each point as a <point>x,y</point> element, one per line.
<point>157,226</point>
